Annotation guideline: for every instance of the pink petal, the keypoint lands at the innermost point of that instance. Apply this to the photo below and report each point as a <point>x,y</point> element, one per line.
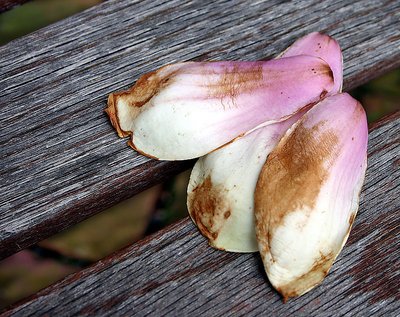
<point>307,194</point>
<point>187,110</point>
<point>229,175</point>
<point>324,47</point>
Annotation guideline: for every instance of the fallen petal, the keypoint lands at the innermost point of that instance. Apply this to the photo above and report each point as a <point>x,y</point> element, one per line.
<point>221,187</point>
<point>187,110</point>
<point>307,194</point>
<point>324,47</point>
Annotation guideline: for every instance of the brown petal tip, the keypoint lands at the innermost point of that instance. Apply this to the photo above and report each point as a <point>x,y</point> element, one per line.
<point>112,113</point>
<point>208,210</point>
<point>309,280</point>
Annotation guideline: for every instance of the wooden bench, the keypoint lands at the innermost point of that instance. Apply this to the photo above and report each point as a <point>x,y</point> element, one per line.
<point>61,161</point>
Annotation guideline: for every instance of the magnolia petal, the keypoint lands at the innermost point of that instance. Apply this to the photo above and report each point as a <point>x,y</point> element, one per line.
<point>187,110</point>
<point>221,188</point>
<point>222,183</point>
<point>324,47</point>
<point>307,194</point>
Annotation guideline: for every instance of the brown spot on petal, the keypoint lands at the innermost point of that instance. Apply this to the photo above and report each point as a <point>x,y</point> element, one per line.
<point>208,208</point>
<point>292,177</point>
<point>308,280</point>
<point>351,219</point>
<point>324,69</point>
<point>147,86</point>
<point>323,94</point>
<point>231,141</point>
<point>112,113</point>
<point>139,94</point>
<point>235,81</point>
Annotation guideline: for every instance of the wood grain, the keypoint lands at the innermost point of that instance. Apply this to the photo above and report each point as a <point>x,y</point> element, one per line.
<point>175,272</point>
<point>61,161</point>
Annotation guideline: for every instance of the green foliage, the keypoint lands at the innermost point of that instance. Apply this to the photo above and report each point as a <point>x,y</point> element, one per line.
<point>37,14</point>
<point>24,274</point>
<point>380,96</point>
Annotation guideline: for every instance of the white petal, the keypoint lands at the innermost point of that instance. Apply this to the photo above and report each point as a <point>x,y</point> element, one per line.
<point>221,188</point>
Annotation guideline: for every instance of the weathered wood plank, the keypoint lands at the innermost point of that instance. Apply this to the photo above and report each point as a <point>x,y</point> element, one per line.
<point>176,273</point>
<point>61,161</point>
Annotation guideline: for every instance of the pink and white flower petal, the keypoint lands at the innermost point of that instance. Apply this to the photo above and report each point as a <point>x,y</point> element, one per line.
<point>221,188</point>
<point>187,110</point>
<point>307,194</point>
<point>222,183</point>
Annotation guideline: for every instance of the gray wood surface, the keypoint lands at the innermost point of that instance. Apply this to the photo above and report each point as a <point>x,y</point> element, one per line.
<point>175,272</point>
<point>61,161</point>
